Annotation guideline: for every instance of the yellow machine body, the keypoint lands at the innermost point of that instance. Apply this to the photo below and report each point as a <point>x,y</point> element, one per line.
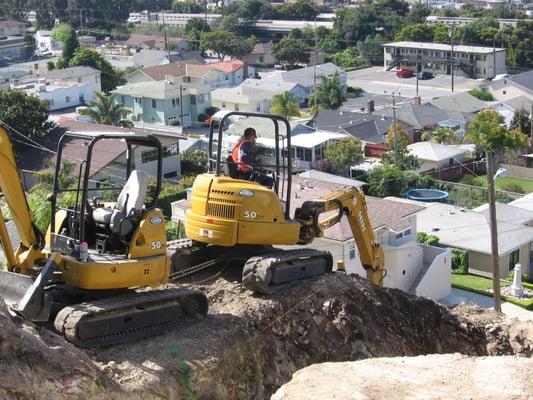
<point>225,211</point>
<point>146,263</point>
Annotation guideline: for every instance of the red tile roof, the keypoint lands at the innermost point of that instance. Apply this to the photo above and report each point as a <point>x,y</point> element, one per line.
<point>223,66</point>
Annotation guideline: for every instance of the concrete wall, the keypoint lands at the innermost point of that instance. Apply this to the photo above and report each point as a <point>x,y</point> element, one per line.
<point>520,172</point>
<point>403,265</point>
<point>436,283</point>
<point>58,97</point>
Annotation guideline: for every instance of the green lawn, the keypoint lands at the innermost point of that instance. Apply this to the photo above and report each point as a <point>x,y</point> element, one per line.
<point>505,183</point>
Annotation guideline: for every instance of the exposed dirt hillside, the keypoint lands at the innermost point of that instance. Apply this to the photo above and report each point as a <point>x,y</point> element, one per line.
<point>249,346</point>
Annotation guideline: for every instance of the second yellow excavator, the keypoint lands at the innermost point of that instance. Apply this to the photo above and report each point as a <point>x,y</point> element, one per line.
<point>241,220</point>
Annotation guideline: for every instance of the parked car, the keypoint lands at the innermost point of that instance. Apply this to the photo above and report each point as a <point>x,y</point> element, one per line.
<point>404,72</point>
<point>425,75</point>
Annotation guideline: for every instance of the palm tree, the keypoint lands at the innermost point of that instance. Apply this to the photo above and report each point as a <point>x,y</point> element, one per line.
<point>285,104</point>
<point>441,136</point>
<point>105,110</point>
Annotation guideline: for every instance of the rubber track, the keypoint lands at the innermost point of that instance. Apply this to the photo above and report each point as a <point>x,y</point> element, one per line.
<point>193,303</point>
<point>257,272</point>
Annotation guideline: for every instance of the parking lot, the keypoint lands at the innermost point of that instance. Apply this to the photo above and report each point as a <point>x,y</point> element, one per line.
<point>376,80</point>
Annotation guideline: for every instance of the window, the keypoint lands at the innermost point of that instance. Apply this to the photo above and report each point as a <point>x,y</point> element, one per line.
<point>308,155</point>
<point>96,78</point>
<point>154,103</point>
<point>226,77</point>
<point>67,99</point>
<point>236,107</point>
<point>450,162</point>
<point>137,100</point>
<point>514,258</point>
<point>79,80</point>
<point>261,59</point>
<point>504,92</point>
<point>399,235</point>
<point>223,105</point>
<point>352,251</point>
<point>258,108</point>
<point>173,102</point>
<point>193,99</point>
<point>151,155</point>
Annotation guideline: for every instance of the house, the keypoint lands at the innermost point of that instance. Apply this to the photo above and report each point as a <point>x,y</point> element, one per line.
<point>432,155</point>
<point>14,49</point>
<point>160,72</point>
<point>511,86</point>
<point>12,28</point>
<point>82,74</point>
<point>470,230</point>
<point>462,21</point>
<point>10,77</point>
<point>460,102</point>
<point>472,61</point>
<point>297,91</point>
<point>150,42</point>
<point>242,98</point>
<point>45,44</point>
<point>222,74</point>
<point>168,102</point>
<point>261,55</point>
<point>415,268</point>
<point>59,94</point>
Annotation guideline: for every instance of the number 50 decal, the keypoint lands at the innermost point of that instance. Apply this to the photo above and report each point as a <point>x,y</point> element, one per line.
<point>156,245</point>
<point>250,214</point>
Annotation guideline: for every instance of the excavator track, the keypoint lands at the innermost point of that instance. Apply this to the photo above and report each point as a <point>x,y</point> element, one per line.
<point>129,317</point>
<point>272,271</point>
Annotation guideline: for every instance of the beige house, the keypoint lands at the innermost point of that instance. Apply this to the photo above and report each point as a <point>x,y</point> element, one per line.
<point>242,98</point>
<point>432,155</point>
<point>469,230</point>
<point>261,55</point>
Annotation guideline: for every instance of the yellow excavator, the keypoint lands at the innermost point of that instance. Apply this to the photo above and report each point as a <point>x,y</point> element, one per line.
<point>87,277</point>
<point>240,220</point>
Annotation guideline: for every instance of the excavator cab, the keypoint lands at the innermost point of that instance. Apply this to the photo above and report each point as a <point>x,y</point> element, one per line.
<point>106,227</point>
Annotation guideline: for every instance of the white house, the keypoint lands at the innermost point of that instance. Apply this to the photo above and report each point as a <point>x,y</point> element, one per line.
<point>59,94</point>
<point>434,155</point>
<point>45,44</point>
<point>223,74</point>
<point>82,74</point>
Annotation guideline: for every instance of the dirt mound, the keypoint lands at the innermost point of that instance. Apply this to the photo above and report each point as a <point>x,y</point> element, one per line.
<point>455,377</point>
<point>249,345</point>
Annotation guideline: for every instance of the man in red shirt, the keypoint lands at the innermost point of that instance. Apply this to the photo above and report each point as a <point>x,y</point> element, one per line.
<point>243,154</point>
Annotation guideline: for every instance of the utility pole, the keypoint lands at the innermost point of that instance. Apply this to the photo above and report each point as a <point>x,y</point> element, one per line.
<point>451,54</point>
<point>181,108</point>
<point>81,27</point>
<point>494,56</point>
<point>165,35</point>
<point>530,125</point>
<point>314,61</point>
<point>394,129</point>
<point>417,71</point>
<point>493,234</point>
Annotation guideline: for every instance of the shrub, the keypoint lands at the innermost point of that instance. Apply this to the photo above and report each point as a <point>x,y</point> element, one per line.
<point>460,261</point>
<point>512,187</point>
<point>173,192</point>
<point>421,237</point>
<point>193,162</point>
<point>485,96</point>
<point>432,240</point>
<point>468,180</point>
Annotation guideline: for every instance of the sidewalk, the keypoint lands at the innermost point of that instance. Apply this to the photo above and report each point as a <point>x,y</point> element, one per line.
<point>459,296</point>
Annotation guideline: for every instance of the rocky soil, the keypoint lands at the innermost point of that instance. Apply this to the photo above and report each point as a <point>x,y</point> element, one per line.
<point>249,346</point>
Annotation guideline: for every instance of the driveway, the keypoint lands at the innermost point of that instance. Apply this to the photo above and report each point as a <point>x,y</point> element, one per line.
<point>375,80</point>
<point>459,296</point>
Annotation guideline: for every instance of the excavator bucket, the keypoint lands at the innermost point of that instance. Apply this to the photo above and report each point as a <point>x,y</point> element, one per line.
<point>13,286</point>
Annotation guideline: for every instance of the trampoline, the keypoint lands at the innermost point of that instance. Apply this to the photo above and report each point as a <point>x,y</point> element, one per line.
<point>426,194</point>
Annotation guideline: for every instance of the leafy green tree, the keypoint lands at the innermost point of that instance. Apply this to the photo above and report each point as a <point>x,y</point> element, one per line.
<point>187,7</point>
<point>440,33</point>
<point>486,130</point>
<point>418,13</point>
<point>249,11</point>
<point>329,93</point>
<point>61,32</point>
<point>440,135</point>
<point>291,50</point>
<point>285,104</point>
<point>194,28</point>
<point>347,58</point>
<point>50,66</point>
<point>485,96</point>
<point>105,110</point>
<point>388,180</point>
<point>400,141</point>
<point>522,121</point>
<point>69,46</point>
<point>343,155</point>
<point>371,49</point>
<point>110,78</point>
<point>224,44</point>
<point>402,159</point>
<point>417,33</point>
<point>301,10</point>
<point>25,113</point>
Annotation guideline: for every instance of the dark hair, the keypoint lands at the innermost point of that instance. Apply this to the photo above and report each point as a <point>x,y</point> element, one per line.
<point>249,132</point>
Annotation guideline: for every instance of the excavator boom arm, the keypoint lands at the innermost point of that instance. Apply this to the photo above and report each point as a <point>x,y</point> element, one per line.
<point>350,202</point>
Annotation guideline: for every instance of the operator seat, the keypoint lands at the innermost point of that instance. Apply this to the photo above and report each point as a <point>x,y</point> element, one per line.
<point>130,201</point>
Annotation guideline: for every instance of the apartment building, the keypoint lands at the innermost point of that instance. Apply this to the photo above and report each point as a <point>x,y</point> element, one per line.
<point>462,21</point>
<point>475,62</point>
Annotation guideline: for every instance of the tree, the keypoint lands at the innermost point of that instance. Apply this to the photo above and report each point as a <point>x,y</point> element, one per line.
<point>522,121</point>
<point>285,104</point>
<point>441,136</point>
<point>110,78</point>
<point>69,46</point>
<point>485,96</point>
<point>25,113</point>
<point>194,28</point>
<point>416,33</point>
<point>330,93</point>
<point>343,155</point>
<point>290,50</point>
<point>388,180</point>
<point>61,32</point>
<point>187,7</point>
<point>193,162</point>
<point>347,58</point>
<point>105,110</point>
<point>225,44</point>
<point>301,10</point>
<point>402,138</point>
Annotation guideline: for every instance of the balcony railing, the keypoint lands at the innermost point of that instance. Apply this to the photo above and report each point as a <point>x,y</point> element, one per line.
<point>429,59</point>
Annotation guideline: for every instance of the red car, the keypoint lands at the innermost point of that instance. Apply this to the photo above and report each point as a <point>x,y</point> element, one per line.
<point>404,73</point>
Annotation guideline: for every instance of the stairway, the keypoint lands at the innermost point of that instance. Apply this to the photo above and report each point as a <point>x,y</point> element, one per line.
<point>425,267</point>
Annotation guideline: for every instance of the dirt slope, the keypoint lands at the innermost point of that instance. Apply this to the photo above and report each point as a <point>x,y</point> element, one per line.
<point>249,345</point>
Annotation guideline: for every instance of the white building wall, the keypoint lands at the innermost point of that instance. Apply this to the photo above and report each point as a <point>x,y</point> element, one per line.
<point>437,281</point>
<point>58,97</point>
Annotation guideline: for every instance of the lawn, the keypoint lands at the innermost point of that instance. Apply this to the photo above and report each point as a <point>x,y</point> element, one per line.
<point>480,285</point>
<point>506,183</point>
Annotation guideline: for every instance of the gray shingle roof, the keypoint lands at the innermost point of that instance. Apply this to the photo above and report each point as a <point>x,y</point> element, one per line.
<point>69,73</point>
<point>524,79</point>
<point>463,102</point>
